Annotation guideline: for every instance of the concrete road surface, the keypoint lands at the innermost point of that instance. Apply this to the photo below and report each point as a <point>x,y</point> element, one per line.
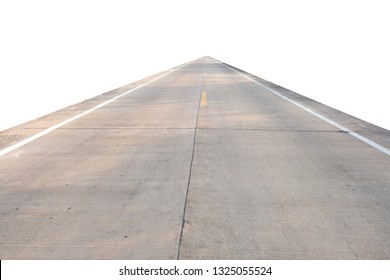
<point>200,163</point>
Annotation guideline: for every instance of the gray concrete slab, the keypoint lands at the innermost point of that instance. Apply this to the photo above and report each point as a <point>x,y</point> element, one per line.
<point>255,176</point>
<point>116,198</point>
<point>254,196</point>
<point>16,134</point>
<point>110,185</point>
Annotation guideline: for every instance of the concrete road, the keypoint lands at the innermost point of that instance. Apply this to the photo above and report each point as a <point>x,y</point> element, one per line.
<point>202,163</point>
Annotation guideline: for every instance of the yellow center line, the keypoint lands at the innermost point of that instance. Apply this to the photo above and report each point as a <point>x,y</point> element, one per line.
<point>203,99</point>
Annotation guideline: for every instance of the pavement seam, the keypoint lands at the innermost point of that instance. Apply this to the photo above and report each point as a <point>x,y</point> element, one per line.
<point>270,130</point>
<point>190,171</point>
<point>127,128</point>
<point>200,128</point>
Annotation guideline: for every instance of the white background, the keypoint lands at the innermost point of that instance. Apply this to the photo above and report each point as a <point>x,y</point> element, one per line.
<point>281,270</point>
<point>56,53</point>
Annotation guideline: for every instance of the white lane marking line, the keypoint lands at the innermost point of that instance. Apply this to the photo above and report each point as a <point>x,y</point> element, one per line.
<point>54,127</point>
<point>329,121</point>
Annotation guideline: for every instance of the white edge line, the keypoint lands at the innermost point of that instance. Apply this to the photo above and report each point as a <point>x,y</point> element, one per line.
<point>329,121</point>
<point>54,127</point>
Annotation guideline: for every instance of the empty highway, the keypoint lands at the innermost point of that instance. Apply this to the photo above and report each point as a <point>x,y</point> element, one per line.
<point>200,162</point>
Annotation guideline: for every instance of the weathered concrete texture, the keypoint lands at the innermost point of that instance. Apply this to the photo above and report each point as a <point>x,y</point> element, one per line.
<point>267,179</point>
<point>270,181</point>
<point>110,185</point>
<point>16,134</point>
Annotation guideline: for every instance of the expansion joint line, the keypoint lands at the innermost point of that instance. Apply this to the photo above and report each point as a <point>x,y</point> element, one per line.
<point>190,172</point>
